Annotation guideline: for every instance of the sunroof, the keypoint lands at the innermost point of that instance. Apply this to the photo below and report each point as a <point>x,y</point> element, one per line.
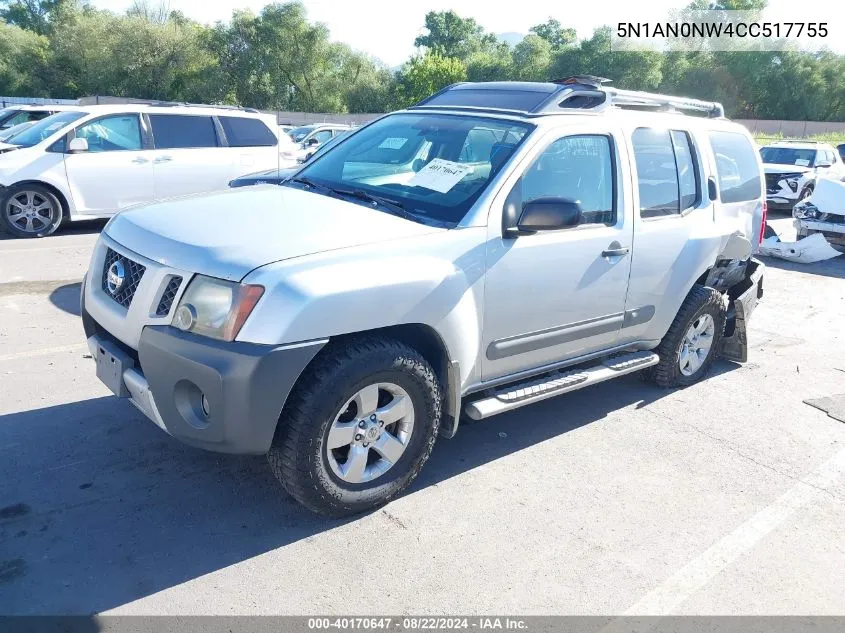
<point>504,99</point>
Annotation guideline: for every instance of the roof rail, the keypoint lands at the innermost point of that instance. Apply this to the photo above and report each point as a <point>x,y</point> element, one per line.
<point>582,92</point>
<point>185,104</point>
<point>581,84</point>
<point>797,140</point>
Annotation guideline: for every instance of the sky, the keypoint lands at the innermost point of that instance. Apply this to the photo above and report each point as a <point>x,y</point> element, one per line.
<point>386,29</point>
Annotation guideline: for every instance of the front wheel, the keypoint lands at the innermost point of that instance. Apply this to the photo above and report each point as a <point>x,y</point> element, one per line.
<point>30,211</point>
<point>358,427</point>
<point>690,346</point>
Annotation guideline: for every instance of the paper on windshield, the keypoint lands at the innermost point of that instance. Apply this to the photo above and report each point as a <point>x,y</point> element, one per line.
<point>440,175</point>
<point>393,142</point>
<point>802,162</point>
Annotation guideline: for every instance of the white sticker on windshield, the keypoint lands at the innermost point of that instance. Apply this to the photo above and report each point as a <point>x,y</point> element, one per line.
<point>802,162</point>
<point>440,175</point>
<point>393,142</point>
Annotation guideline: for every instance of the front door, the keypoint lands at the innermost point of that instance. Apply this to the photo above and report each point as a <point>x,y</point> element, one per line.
<point>116,171</point>
<point>557,295</point>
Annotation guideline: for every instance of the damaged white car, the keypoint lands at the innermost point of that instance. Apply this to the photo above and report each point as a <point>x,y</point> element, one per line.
<point>792,168</point>
<point>823,212</point>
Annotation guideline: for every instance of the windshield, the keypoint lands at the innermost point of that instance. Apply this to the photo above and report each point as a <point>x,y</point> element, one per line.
<point>433,166</point>
<point>788,156</point>
<point>15,129</point>
<point>45,128</point>
<point>299,133</point>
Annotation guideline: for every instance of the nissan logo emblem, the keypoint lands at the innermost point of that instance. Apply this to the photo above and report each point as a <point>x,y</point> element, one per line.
<point>115,277</point>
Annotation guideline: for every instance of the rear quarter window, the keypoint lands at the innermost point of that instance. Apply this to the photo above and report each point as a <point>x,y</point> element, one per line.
<point>245,132</point>
<point>736,167</point>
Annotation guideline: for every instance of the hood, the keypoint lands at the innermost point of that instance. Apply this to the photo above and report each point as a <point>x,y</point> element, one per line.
<point>229,233</point>
<point>777,168</point>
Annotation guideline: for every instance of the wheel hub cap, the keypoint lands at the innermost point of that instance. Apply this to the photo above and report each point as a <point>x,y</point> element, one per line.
<point>370,433</point>
<point>696,344</point>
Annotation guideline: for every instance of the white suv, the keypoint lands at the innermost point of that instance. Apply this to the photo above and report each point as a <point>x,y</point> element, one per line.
<point>491,247</point>
<point>792,168</point>
<point>93,161</point>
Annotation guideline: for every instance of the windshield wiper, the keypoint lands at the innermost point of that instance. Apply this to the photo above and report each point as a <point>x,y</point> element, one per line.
<point>304,180</point>
<point>395,207</point>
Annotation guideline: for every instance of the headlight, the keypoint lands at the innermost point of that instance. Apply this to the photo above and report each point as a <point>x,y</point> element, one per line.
<point>793,183</point>
<point>216,308</point>
<point>805,211</point>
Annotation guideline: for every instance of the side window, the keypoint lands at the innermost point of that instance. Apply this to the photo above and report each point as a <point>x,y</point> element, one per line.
<point>737,168</point>
<point>657,173</point>
<point>182,131</point>
<point>323,135</point>
<point>121,132</point>
<point>688,178</point>
<point>579,168</point>
<point>245,132</point>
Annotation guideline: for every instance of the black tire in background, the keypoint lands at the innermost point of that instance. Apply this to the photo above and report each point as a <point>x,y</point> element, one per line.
<point>30,210</point>
<point>300,457</point>
<point>701,303</point>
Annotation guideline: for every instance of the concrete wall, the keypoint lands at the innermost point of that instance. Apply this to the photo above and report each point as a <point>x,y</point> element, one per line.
<point>793,129</point>
<point>8,101</point>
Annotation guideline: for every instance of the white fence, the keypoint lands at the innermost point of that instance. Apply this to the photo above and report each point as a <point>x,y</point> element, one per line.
<point>8,101</point>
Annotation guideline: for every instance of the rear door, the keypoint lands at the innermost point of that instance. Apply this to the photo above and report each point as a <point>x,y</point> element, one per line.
<point>252,146</point>
<point>117,169</point>
<point>189,157</point>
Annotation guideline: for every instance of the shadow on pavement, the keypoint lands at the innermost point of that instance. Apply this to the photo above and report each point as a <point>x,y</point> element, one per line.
<point>67,298</point>
<point>99,508</point>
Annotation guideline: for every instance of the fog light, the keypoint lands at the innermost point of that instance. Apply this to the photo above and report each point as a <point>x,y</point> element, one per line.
<point>206,408</point>
<point>185,317</point>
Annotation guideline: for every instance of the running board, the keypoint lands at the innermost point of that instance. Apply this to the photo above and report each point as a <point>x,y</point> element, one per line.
<point>512,397</point>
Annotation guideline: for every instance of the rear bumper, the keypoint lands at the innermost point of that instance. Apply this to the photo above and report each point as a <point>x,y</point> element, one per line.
<point>245,385</point>
<point>744,298</point>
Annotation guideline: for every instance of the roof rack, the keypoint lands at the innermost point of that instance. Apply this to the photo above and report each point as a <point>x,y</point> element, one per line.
<point>797,140</point>
<point>171,104</point>
<point>582,92</point>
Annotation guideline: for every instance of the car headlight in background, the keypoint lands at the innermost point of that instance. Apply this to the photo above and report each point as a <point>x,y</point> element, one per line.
<point>793,183</point>
<point>216,308</point>
<point>805,211</point>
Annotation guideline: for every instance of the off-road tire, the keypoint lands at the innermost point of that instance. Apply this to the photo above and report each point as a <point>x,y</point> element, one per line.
<point>298,456</point>
<point>701,300</point>
<point>806,192</point>
<point>58,212</point>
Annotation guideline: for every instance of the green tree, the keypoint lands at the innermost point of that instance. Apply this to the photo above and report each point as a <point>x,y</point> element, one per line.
<point>32,15</point>
<point>23,60</point>
<point>425,74</point>
<point>556,35</point>
<point>450,35</point>
<point>532,58</point>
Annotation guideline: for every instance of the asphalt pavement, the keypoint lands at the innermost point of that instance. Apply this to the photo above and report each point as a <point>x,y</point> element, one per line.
<point>727,497</point>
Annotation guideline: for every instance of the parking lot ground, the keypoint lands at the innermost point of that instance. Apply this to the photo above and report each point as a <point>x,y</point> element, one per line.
<point>727,497</point>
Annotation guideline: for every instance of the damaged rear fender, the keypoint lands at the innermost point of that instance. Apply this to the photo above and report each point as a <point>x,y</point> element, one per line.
<point>743,298</point>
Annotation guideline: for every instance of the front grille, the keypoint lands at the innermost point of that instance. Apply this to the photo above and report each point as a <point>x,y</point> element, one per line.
<point>168,296</point>
<point>132,274</point>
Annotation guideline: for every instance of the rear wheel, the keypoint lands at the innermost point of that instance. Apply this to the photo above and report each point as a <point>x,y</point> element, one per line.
<point>30,211</point>
<point>690,346</point>
<point>358,428</point>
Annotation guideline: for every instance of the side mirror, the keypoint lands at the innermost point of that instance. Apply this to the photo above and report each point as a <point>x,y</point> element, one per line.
<point>77,145</point>
<point>824,164</point>
<point>312,142</point>
<point>549,214</point>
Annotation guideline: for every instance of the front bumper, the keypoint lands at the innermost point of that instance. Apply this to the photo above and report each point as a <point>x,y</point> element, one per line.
<point>245,385</point>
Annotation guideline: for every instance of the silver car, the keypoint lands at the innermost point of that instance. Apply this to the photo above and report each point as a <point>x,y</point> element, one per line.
<point>496,245</point>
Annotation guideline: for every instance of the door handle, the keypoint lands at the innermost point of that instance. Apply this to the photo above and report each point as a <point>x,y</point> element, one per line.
<point>615,250</point>
<point>163,159</point>
<point>140,161</point>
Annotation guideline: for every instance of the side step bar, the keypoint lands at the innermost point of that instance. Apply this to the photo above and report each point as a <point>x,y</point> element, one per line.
<point>533,390</point>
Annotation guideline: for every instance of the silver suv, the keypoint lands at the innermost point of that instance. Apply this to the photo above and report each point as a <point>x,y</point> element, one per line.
<point>493,246</point>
